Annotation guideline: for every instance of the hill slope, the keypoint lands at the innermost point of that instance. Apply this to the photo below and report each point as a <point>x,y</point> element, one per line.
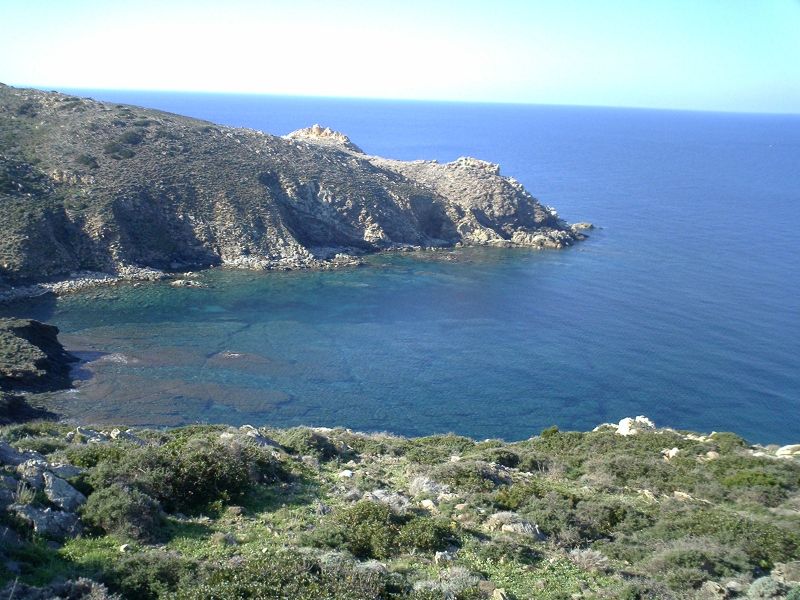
<point>87,185</point>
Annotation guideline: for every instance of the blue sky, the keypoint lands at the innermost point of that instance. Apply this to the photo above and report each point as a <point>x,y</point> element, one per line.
<point>739,55</point>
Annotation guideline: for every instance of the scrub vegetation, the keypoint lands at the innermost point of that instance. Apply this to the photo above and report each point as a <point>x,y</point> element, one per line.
<point>220,512</point>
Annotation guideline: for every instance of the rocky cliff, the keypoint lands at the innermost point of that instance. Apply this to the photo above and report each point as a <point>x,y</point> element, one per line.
<point>31,360</point>
<point>87,185</point>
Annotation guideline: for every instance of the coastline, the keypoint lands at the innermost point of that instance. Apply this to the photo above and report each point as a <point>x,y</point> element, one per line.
<point>324,259</point>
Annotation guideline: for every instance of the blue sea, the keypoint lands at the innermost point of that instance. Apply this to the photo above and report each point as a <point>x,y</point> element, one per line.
<point>684,304</point>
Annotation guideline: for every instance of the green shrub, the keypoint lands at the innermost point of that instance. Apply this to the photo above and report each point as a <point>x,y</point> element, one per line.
<point>90,455</point>
<point>370,529</point>
<point>501,550</point>
<point>131,138</point>
<point>123,511</point>
<point>43,445</point>
<point>278,575</point>
<point>302,440</point>
<point>148,576</point>
<point>189,474</point>
<point>794,594</point>
<point>468,475</point>
<point>437,448</point>
<point>688,563</point>
<point>424,534</point>
<point>766,587</point>
<point>517,495</point>
<point>87,160</point>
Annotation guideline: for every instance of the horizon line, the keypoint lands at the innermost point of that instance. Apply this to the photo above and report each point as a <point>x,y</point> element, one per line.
<point>409,100</point>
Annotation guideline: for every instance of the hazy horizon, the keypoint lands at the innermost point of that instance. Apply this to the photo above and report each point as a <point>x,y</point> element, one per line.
<point>718,56</point>
<point>87,93</point>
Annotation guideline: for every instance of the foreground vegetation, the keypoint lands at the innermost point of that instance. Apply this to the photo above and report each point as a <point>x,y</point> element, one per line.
<point>218,512</point>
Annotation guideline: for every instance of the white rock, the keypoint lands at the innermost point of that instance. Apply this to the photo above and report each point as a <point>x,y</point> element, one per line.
<point>670,453</point>
<point>346,474</point>
<point>62,494</point>
<point>428,504</point>
<point>790,450</point>
<point>629,426</point>
<point>441,558</point>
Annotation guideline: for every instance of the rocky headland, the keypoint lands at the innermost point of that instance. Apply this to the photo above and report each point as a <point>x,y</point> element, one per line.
<point>92,191</point>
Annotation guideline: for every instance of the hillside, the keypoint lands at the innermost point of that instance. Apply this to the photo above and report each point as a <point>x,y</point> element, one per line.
<point>93,186</point>
<point>626,511</point>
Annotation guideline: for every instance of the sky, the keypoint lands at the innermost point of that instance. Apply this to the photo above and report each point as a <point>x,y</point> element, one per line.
<point>730,55</point>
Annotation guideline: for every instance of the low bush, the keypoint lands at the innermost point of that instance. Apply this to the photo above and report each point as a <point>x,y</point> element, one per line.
<point>189,474</point>
<point>371,530</point>
<point>124,511</point>
<point>468,475</point>
<point>424,534</point>
<point>278,575</point>
<point>148,576</point>
<point>302,440</point>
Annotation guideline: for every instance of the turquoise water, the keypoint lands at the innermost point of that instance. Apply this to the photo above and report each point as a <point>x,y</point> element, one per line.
<point>683,306</point>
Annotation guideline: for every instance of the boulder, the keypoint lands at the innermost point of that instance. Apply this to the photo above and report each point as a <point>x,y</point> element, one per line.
<point>788,572</point>
<point>395,501</point>
<point>49,523</point>
<point>62,494</point>
<point>128,436</point>
<point>12,456</point>
<point>64,470</point>
<point>670,453</point>
<point>510,522</point>
<point>790,450</point>
<point>255,437</point>
<point>441,558</point>
<point>629,426</point>
<point>32,471</point>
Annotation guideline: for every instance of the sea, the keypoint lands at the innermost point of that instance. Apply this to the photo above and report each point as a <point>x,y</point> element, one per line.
<point>683,305</point>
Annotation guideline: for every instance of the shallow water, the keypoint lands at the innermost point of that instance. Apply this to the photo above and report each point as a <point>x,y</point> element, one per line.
<point>684,306</point>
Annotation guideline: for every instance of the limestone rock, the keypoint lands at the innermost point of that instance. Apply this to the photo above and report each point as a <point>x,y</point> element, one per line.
<point>49,523</point>
<point>629,426</point>
<point>790,450</point>
<point>670,453</point>
<point>32,471</point>
<point>12,456</point>
<point>255,437</point>
<point>788,572</point>
<point>441,558</point>
<point>61,493</point>
<point>394,500</point>
<point>127,436</point>
<point>64,470</point>
<point>510,522</point>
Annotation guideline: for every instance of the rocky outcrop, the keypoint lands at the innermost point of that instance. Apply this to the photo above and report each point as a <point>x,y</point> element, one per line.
<point>118,191</point>
<point>31,360</point>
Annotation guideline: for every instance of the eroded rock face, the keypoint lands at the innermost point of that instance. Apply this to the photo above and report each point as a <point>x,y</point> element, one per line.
<point>159,190</point>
